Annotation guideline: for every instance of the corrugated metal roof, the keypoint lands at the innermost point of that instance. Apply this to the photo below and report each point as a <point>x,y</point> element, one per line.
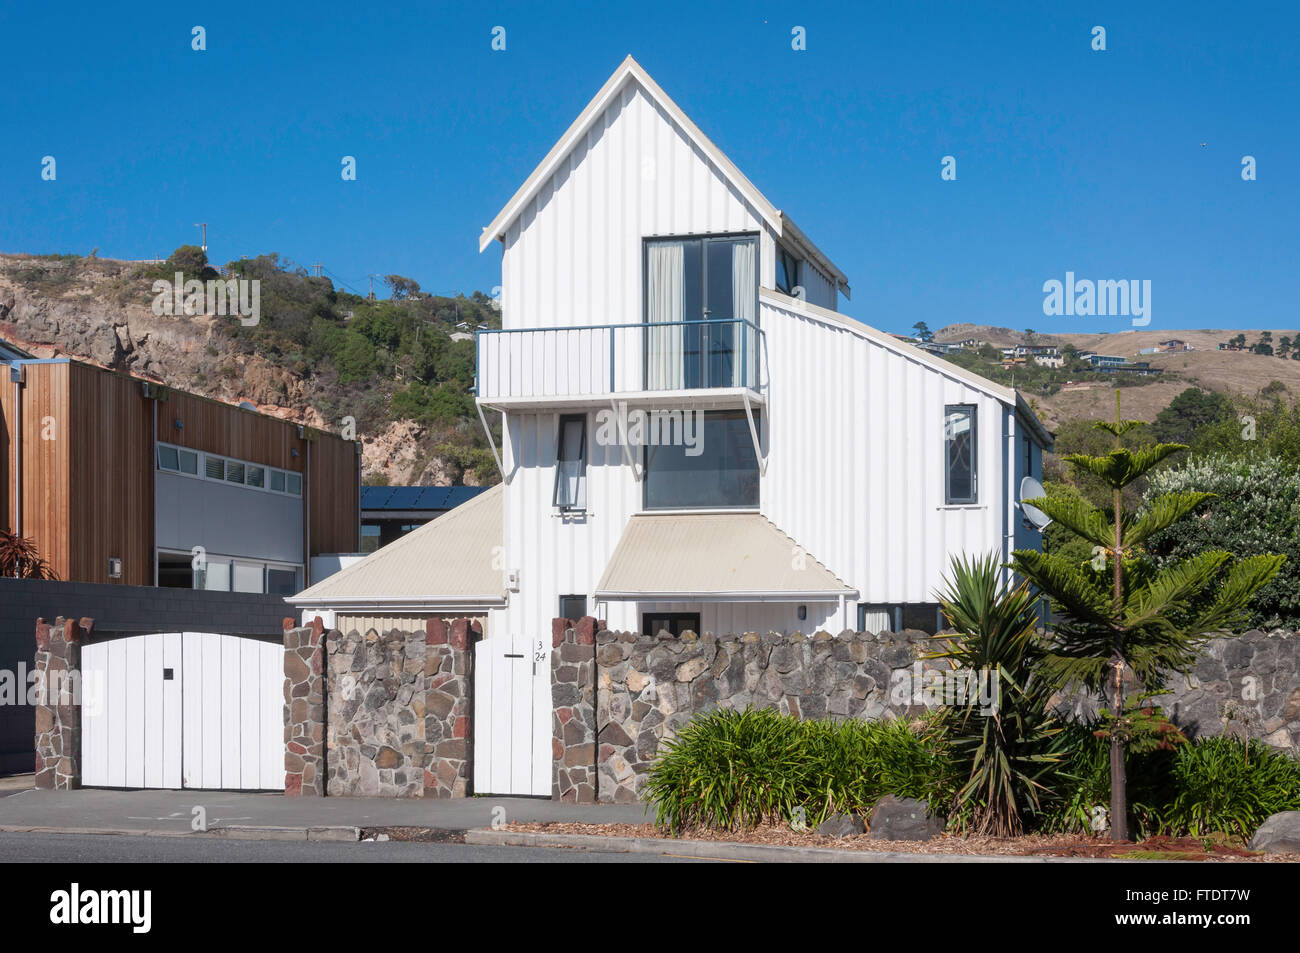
<point>740,555</point>
<point>417,497</point>
<point>449,560</point>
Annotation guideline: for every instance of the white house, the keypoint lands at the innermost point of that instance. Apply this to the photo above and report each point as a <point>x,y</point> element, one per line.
<point>693,436</point>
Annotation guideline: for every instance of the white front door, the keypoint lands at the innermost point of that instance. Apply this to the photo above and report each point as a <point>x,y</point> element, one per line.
<point>512,715</point>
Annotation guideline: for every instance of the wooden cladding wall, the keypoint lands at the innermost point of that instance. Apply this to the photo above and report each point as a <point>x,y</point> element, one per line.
<point>88,467</point>
<point>112,477</point>
<point>214,427</point>
<point>45,448</point>
<point>334,486</point>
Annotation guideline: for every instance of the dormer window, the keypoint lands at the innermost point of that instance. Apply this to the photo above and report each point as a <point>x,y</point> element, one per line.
<point>787,271</point>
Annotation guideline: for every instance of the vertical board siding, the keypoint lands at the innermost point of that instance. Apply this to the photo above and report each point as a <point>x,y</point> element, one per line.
<point>111,470</point>
<point>88,467</point>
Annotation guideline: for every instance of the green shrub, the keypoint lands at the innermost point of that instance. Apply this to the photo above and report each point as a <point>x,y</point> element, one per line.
<point>1211,785</point>
<point>1224,785</point>
<point>1255,510</point>
<point>728,769</point>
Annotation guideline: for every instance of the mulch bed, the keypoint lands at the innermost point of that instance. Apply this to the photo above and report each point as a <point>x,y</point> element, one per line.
<point>1056,845</point>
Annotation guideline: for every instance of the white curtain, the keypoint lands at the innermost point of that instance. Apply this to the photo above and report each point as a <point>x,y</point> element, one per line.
<point>744,285</point>
<point>665,363</point>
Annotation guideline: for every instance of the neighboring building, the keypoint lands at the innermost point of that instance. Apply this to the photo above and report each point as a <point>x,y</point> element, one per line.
<point>390,512</point>
<point>1174,344</point>
<point>839,469</point>
<point>120,480</point>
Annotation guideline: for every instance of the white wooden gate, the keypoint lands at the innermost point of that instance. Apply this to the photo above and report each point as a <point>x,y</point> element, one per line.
<point>191,709</point>
<point>512,715</point>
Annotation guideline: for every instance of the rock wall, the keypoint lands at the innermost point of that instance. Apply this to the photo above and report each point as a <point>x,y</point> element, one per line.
<point>397,711</point>
<point>58,702</point>
<point>618,696</point>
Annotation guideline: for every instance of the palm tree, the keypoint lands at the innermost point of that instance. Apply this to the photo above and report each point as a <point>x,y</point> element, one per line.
<point>1128,622</point>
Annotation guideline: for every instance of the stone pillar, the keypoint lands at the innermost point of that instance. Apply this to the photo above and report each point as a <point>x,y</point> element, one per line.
<point>58,703</point>
<point>304,710</point>
<point>573,703</point>
<point>448,727</point>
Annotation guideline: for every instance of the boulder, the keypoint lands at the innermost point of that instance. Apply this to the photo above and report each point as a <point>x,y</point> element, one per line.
<point>1280,834</point>
<point>903,818</point>
<point>842,825</point>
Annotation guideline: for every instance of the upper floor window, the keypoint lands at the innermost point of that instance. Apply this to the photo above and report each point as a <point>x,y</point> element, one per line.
<point>571,463</point>
<point>707,466</point>
<point>225,470</point>
<point>959,434</point>
<point>787,271</point>
<point>711,279</point>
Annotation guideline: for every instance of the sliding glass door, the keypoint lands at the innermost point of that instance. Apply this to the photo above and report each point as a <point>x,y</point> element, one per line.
<point>698,293</point>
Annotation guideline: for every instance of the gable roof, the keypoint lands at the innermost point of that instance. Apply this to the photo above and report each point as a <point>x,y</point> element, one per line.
<point>446,563</point>
<point>630,71</point>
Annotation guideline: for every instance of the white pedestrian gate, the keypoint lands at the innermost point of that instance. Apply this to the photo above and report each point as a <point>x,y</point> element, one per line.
<point>512,715</point>
<point>183,710</point>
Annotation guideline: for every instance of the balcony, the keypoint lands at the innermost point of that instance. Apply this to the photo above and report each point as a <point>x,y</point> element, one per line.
<point>712,363</point>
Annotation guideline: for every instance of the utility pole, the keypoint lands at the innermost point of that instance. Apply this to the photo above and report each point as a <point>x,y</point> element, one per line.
<point>372,287</point>
<point>317,266</point>
<point>204,226</point>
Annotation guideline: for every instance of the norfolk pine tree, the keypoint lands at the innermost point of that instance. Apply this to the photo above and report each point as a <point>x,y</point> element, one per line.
<point>1128,621</point>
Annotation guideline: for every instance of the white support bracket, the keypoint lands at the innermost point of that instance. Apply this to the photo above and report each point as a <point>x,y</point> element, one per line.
<point>492,443</point>
<point>753,433</point>
<point>622,433</point>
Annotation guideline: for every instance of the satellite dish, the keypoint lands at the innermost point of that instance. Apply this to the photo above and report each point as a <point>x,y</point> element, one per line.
<point>1031,489</point>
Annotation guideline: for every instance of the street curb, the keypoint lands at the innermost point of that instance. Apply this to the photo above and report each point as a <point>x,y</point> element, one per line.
<point>760,853</point>
<point>335,834</point>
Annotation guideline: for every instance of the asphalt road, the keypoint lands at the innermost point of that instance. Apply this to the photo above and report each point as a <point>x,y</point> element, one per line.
<point>121,849</point>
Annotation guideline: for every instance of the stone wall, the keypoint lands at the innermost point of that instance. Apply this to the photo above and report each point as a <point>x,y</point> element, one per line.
<point>1247,686</point>
<point>396,717</point>
<point>304,710</point>
<point>58,707</point>
<point>617,696</point>
<point>573,719</point>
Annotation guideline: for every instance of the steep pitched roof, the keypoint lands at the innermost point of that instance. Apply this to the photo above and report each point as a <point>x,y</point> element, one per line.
<point>630,71</point>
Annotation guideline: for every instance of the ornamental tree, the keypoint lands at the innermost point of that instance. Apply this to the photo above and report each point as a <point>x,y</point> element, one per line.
<point>1121,621</point>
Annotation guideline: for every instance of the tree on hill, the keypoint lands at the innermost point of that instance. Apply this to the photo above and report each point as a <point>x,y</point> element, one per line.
<point>1238,341</point>
<point>923,331</point>
<point>1283,346</point>
<point>401,287</point>
<point>190,259</point>
<point>1123,623</point>
<point>1188,413</point>
<point>1265,344</point>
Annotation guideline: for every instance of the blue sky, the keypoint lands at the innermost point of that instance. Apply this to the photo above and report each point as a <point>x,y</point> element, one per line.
<point>1067,159</point>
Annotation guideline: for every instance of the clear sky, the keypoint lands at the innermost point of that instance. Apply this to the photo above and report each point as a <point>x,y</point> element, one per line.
<point>1116,164</point>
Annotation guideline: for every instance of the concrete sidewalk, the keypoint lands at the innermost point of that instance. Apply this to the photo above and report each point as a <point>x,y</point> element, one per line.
<point>273,815</point>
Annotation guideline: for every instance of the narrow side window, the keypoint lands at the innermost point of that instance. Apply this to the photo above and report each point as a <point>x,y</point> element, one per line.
<point>959,453</point>
<point>571,463</point>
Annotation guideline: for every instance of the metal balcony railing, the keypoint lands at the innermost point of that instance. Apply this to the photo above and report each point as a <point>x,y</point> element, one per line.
<point>594,360</point>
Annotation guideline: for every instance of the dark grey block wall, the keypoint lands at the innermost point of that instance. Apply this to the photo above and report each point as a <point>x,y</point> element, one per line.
<point>117,610</point>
